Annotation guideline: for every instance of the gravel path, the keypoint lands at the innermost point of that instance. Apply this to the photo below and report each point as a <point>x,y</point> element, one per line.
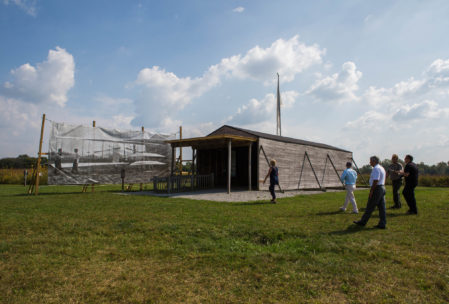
<point>220,195</point>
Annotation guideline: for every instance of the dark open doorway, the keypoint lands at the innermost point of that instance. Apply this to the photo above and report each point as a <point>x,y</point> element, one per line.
<point>216,161</point>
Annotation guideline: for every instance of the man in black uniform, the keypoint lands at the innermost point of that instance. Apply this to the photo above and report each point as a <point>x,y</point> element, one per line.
<point>411,181</point>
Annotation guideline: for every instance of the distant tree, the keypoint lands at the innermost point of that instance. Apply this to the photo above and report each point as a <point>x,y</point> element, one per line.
<point>442,168</point>
<point>187,167</point>
<point>23,161</point>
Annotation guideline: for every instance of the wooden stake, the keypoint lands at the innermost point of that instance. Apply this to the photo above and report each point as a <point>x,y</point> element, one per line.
<point>180,151</point>
<point>249,167</point>
<point>36,192</point>
<point>229,165</point>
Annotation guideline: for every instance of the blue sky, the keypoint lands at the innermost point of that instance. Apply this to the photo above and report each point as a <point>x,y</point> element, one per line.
<point>368,76</point>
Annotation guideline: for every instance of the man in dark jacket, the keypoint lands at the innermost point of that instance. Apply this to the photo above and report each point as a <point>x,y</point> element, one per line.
<point>411,181</point>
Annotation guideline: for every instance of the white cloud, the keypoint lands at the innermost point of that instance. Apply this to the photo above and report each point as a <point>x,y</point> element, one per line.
<point>121,122</point>
<point>438,73</point>
<point>427,109</point>
<point>256,111</point>
<point>370,120</point>
<point>29,6</point>
<point>433,84</point>
<point>339,87</point>
<point>48,82</point>
<point>439,67</point>
<point>286,57</point>
<point>238,9</point>
<point>112,102</point>
<point>163,93</point>
<point>19,127</point>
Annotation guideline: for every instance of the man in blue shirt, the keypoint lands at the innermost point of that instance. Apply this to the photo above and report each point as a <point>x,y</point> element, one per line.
<point>349,178</point>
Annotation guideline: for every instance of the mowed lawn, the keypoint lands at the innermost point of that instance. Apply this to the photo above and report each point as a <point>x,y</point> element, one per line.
<point>64,246</point>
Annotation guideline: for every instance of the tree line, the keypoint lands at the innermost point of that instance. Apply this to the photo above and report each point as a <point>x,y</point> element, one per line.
<point>440,168</point>
<point>25,162</point>
<point>20,162</point>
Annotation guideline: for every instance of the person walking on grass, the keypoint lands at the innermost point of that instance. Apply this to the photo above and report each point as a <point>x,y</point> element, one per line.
<point>273,173</point>
<point>393,172</point>
<point>376,196</point>
<point>349,178</point>
<point>410,173</point>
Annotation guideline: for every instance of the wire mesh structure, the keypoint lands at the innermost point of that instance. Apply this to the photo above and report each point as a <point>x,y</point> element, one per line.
<point>94,155</point>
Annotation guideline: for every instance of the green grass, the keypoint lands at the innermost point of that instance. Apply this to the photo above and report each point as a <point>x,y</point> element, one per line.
<point>64,246</point>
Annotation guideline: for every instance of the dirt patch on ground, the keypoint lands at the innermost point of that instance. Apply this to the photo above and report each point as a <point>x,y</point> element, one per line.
<point>220,195</point>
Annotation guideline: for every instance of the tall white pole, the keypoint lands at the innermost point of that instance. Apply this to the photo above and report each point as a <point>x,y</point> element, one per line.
<point>278,112</point>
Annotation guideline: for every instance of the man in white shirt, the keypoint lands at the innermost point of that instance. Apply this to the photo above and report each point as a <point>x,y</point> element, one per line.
<point>376,195</point>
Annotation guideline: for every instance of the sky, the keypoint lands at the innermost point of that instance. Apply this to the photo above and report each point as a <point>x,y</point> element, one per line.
<point>371,77</point>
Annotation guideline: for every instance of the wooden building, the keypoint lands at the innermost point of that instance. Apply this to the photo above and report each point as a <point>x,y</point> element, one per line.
<point>240,158</point>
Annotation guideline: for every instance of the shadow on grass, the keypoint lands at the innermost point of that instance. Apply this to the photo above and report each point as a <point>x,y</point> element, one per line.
<point>254,203</point>
<point>398,214</point>
<point>47,194</point>
<point>352,229</point>
<point>330,212</point>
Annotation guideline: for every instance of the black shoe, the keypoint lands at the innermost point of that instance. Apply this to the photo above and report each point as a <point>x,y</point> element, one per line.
<point>380,227</point>
<point>359,223</point>
<point>411,212</point>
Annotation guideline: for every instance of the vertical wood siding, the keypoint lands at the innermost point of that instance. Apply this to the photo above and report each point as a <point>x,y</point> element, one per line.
<point>289,159</point>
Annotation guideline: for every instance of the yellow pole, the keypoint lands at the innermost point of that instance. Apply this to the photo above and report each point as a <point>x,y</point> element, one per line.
<point>36,192</point>
<point>180,151</point>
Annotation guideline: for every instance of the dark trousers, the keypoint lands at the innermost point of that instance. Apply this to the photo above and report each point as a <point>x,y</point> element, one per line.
<point>409,195</point>
<point>271,188</point>
<point>396,197</point>
<point>377,200</point>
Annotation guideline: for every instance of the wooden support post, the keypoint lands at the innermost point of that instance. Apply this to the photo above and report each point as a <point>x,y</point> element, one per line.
<point>93,125</point>
<point>39,156</point>
<point>313,170</point>
<point>302,168</point>
<point>324,170</point>
<point>229,165</point>
<point>268,163</point>
<point>173,157</point>
<point>258,167</point>
<point>249,166</point>
<point>335,169</point>
<point>358,171</point>
<point>180,151</point>
<point>193,161</point>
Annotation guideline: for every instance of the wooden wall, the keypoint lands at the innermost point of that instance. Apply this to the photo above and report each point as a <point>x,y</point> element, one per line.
<point>290,157</point>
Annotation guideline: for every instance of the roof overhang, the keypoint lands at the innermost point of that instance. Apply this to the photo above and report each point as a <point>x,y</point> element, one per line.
<point>212,141</point>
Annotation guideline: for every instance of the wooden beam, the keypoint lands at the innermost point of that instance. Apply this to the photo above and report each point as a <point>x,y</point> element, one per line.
<point>39,156</point>
<point>249,167</point>
<point>173,157</point>
<point>180,151</point>
<point>335,169</point>
<point>229,165</point>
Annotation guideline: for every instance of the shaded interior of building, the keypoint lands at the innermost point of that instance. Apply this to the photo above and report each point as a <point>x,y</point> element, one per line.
<point>215,161</point>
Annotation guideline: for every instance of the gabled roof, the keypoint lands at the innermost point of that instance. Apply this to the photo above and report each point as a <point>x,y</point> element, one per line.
<point>249,133</point>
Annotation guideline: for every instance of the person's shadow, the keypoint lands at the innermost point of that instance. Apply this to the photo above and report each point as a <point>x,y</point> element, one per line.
<point>351,229</point>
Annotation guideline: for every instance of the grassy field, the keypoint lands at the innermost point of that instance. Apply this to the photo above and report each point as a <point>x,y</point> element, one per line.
<point>68,247</point>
